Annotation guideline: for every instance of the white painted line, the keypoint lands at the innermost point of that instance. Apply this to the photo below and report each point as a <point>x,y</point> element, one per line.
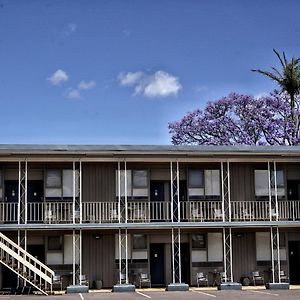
<point>260,292</point>
<point>81,296</point>
<point>206,294</point>
<point>143,294</point>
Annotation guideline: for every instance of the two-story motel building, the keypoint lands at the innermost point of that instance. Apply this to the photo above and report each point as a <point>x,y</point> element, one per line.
<point>171,211</point>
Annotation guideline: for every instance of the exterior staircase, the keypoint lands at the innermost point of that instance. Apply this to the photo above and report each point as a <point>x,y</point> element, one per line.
<point>26,266</point>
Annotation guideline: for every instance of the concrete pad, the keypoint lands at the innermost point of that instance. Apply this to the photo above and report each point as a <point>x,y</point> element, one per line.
<point>177,287</point>
<point>123,288</point>
<point>76,289</point>
<point>230,286</point>
<point>278,286</point>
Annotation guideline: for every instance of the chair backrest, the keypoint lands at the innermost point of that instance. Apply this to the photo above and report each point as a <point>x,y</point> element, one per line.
<point>222,275</point>
<point>255,274</point>
<point>123,277</point>
<point>82,278</point>
<point>56,278</point>
<point>281,273</point>
<point>144,275</point>
<point>200,275</point>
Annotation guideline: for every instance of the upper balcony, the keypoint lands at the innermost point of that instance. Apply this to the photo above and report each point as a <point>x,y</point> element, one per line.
<point>149,212</point>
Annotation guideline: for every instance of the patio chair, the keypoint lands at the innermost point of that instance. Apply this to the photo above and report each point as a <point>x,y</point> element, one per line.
<point>283,276</point>
<point>222,277</point>
<point>57,282</point>
<point>201,279</point>
<point>218,215</point>
<point>257,278</point>
<point>144,279</point>
<point>83,280</point>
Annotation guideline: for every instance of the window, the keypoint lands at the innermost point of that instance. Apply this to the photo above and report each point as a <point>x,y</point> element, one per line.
<point>137,183</point>
<point>139,242</point>
<point>53,179</point>
<point>140,183</point>
<point>261,178</point>
<point>196,179</point>
<point>59,183</point>
<point>199,241</point>
<point>212,182</point>
<point>140,179</point>
<point>203,184</point>
<point>55,243</point>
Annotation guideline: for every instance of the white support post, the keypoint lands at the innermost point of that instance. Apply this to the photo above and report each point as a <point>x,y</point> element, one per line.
<point>123,253</point>
<point>22,193</point>
<point>19,195</point>
<point>125,193</point>
<point>80,192</point>
<point>227,253</point>
<point>120,256</point>
<point>74,258</point>
<point>74,192</point>
<point>119,193</point>
<point>80,254</point>
<point>126,255</point>
<point>270,191</point>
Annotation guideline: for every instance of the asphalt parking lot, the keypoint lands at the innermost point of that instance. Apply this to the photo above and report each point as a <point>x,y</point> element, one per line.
<point>193,294</point>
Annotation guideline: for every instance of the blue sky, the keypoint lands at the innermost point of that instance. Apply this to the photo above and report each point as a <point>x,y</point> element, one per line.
<point>116,72</point>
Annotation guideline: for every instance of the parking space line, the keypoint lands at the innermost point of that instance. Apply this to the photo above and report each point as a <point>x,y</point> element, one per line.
<point>260,292</point>
<point>210,295</point>
<point>143,294</point>
<point>81,296</point>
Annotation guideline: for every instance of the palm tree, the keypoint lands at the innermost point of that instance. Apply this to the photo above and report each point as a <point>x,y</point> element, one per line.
<point>288,79</point>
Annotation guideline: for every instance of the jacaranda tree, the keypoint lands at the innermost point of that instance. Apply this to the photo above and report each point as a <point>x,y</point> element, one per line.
<point>240,119</point>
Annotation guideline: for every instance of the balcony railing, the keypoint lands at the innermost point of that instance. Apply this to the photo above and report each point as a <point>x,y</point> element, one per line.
<point>144,211</point>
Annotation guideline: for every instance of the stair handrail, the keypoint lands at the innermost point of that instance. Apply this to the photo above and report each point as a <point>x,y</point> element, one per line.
<point>26,254</point>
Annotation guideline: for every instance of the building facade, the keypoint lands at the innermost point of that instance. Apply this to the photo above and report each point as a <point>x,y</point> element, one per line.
<point>113,212</point>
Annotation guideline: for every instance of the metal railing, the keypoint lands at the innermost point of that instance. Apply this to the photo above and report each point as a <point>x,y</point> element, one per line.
<point>144,211</point>
<point>200,211</point>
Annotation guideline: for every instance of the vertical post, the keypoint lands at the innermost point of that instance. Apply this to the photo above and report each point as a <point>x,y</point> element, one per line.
<point>74,192</point>
<point>80,192</point>
<point>227,252</point>
<point>270,191</point>
<point>19,195</point>
<point>275,191</point>
<point>80,254</point>
<point>119,193</point>
<point>25,192</point>
<point>74,258</point>
<point>126,255</point>
<point>120,256</point>
<point>126,196</point>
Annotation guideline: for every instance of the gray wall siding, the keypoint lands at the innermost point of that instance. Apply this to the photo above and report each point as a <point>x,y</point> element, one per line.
<point>244,254</point>
<point>242,182</point>
<point>98,182</point>
<point>98,258</point>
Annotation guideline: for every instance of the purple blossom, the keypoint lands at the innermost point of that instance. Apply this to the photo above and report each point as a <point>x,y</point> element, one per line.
<point>240,119</point>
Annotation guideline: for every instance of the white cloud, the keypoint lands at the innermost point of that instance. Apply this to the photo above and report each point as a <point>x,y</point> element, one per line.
<point>58,77</point>
<point>131,78</point>
<point>83,85</point>
<point>73,94</point>
<point>158,84</point>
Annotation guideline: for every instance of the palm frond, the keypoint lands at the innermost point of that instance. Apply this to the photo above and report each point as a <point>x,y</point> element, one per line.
<point>269,74</point>
<point>279,57</point>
